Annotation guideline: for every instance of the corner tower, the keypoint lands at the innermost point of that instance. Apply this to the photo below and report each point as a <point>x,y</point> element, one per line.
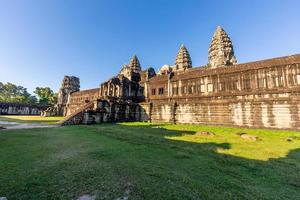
<point>183,59</point>
<point>220,52</point>
<point>69,85</point>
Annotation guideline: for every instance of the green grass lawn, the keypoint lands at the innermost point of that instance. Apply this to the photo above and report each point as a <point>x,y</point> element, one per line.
<point>148,161</point>
<point>30,119</point>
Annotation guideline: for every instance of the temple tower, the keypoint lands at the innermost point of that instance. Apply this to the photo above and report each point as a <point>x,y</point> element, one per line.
<point>183,59</point>
<point>220,52</point>
<point>135,64</point>
<point>69,85</point>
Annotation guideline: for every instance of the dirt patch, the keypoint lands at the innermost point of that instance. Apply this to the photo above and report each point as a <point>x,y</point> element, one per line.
<point>126,192</point>
<point>205,133</point>
<point>126,195</point>
<point>27,126</point>
<point>87,197</point>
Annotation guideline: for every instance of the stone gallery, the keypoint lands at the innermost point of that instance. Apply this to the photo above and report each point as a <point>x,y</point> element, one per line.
<point>255,94</point>
<point>20,109</point>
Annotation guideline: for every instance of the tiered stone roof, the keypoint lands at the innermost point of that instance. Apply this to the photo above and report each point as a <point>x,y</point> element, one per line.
<point>221,52</point>
<point>183,59</point>
<point>135,64</point>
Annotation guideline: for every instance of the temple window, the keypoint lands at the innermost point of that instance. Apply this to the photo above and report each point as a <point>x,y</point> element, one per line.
<point>190,89</point>
<point>153,91</point>
<point>291,79</point>
<point>298,79</point>
<point>222,86</point>
<point>247,84</point>
<point>198,88</point>
<point>202,88</point>
<point>210,87</point>
<point>183,90</point>
<point>175,90</point>
<point>161,91</point>
<point>261,82</point>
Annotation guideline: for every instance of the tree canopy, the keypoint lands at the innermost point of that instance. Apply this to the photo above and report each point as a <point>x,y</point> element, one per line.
<point>12,93</point>
<point>45,95</point>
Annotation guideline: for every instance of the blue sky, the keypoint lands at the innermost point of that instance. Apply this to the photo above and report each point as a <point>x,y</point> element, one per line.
<point>43,40</point>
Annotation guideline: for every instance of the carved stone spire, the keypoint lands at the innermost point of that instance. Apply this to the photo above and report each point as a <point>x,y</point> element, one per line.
<point>183,59</point>
<point>221,52</point>
<point>135,64</point>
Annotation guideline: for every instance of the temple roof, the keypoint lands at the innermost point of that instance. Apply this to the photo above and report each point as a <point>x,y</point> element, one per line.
<point>135,64</point>
<point>221,49</point>
<point>183,59</point>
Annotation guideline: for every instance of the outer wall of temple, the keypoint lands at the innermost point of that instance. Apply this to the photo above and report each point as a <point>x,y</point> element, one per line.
<point>280,113</point>
<point>19,109</point>
<point>258,94</point>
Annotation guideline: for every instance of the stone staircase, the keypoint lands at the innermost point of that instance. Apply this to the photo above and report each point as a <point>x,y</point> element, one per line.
<point>77,116</point>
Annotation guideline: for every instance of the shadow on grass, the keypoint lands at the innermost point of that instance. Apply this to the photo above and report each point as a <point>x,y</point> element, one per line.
<point>282,175</point>
<point>155,166</point>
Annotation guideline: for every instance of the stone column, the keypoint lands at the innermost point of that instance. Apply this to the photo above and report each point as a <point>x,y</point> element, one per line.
<point>108,89</point>
<point>113,89</point>
<point>129,89</point>
<point>121,89</point>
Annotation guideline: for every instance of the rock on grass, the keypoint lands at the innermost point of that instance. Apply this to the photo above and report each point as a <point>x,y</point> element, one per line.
<point>205,133</point>
<point>246,136</point>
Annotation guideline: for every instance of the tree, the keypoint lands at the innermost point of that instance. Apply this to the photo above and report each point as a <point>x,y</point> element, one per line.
<point>45,95</point>
<point>1,92</point>
<point>10,92</point>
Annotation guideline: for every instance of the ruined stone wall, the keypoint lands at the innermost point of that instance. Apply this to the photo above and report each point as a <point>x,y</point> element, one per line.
<point>20,109</point>
<point>258,94</point>
<point>77,99</point>
<point>109,111</point>
<point>69,85</point>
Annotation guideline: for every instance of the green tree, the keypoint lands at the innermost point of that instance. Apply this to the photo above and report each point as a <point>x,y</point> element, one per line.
<point>45,95</point>
<point>1,92</point>
<point>10,92</point>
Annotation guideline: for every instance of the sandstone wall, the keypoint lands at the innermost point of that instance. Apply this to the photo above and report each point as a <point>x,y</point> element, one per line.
<point>257,94</point>
<point>248,111</point>
<point>77,99</point>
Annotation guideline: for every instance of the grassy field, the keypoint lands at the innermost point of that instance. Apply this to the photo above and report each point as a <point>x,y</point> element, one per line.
<point>148,161</point>
<point>30,119</point>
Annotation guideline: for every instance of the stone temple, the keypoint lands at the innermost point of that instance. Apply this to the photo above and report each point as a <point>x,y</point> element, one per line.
<point>263,93</point>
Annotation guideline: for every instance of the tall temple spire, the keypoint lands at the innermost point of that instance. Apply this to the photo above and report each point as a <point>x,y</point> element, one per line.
<point>221,52</point>
<point>135,64</point>
<point>183,59</point>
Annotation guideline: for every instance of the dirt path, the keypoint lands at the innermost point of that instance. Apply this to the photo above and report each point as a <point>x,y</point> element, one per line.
<point>16,125</point>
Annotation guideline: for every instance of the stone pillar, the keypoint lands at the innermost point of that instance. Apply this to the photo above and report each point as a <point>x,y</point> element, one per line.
<point>146,93</point>
<point>121,89</point>
<point>129,89</point>
<point>169,92</point>
<point>108,89</point>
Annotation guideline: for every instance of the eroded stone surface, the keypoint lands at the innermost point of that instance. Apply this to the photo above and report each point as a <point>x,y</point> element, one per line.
<point>183,59</point>
<point>221,50</point>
